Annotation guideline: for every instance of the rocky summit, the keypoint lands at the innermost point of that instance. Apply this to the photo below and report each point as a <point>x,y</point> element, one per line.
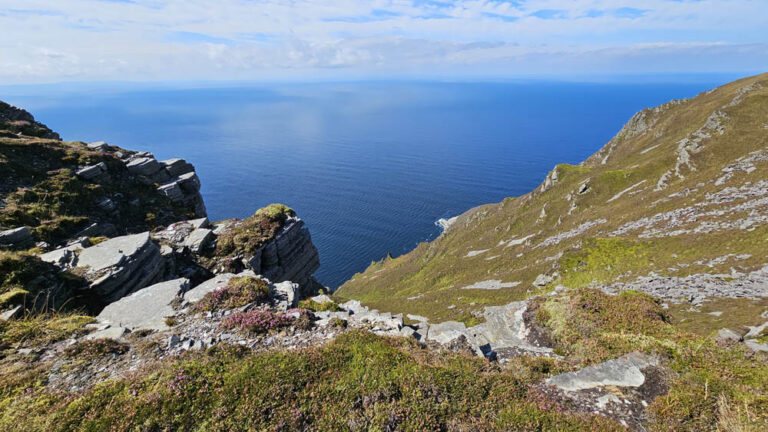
<point>627,292</point>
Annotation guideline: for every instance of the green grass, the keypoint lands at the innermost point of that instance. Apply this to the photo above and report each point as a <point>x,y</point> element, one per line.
<point>91,349</point>
<point>319,307</point>
<point>603,260</point>
<point>36,285</point>
<point>590,326</point>
<point>357,382</point>
<point>42,329</point>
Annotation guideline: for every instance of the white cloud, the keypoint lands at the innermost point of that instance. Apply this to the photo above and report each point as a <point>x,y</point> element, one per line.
<point>49,40</point>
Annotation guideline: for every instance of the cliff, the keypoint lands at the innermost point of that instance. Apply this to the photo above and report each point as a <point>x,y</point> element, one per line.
<point>85,224</point>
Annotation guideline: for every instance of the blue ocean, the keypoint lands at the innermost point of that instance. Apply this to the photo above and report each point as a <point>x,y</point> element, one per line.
<point>369,166</point>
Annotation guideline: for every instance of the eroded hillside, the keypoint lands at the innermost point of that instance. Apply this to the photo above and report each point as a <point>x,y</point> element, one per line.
<point>676,205</point>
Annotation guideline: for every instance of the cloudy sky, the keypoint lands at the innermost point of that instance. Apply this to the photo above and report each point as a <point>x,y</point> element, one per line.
<point>155,40</point>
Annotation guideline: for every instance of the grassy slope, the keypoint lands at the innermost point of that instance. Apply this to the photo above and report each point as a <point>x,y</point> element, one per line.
<point>365,382</point>
<point>429,279</point>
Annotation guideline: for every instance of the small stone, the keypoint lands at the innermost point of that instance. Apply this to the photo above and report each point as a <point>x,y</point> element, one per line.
<point>98,146</point>
<point>543,280</point>
<point>93,171</point>
<point>756,346</point>
<point>11,313</point>
<point>20,236</point>
<point>727,336</point>
<point>321,299</point>
<point>115,332</point>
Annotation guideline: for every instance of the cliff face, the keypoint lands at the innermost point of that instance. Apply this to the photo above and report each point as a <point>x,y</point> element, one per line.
<point>106,219</point>
<point>675,205</point>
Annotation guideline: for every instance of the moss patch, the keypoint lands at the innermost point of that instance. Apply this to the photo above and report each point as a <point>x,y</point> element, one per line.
<point>250,234</point>
<point>319,307</point>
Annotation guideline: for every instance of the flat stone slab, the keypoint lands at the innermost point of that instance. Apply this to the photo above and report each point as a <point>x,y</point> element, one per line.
<point>504,327</point>
<point>177,167</point>
<point>172,190</point>
<point>756,346</point>
<point>624,371</point>
<point>97,145</point>
<point>146,308</point>
<point>321,299</point>
<point>417,318</point>
<point>93,171</point>
<point>447,331</point>
<point>145,166</point>
<point>198,223</point>
<point>113,252</point>
<point>492,285</point>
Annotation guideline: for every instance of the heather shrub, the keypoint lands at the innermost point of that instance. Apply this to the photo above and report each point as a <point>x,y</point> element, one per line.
<point>256,321</point>
<point>239,292</point>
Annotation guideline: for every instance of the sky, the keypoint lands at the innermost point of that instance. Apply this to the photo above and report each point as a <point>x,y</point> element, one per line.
<point>44,41</point>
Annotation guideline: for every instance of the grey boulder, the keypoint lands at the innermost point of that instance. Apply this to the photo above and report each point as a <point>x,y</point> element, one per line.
<point>286,295</point>
<point>625,371</point>
<point>16,237</point>
<point>446,332</point>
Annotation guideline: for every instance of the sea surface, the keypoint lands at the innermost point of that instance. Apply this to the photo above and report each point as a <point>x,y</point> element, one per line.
<point>369,166</point>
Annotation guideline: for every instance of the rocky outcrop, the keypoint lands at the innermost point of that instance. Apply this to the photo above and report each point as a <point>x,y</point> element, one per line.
<point>120,266</point>
<point>176,178</point>
<point>290,256</point>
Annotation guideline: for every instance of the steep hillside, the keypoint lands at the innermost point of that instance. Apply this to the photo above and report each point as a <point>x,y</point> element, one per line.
<point>675,205</point>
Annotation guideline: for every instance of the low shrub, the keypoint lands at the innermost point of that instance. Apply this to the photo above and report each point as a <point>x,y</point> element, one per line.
<point>593,326</point>
<point>319,307</point>
<point>90,349</point>
<point>256,321</point>
<point>240,291</point>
